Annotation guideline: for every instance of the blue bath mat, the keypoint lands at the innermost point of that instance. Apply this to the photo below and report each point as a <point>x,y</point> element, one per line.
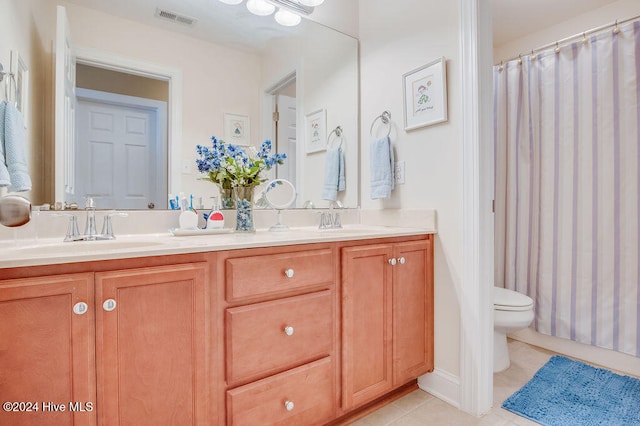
<point>567,392</point>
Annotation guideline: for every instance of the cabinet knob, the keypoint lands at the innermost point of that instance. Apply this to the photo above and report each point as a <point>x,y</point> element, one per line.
<point>109,305</point>
<point>80,308</point>
<point>289,273</point>
<point>402,260</point>
<point>392,261</point>
<point>288,330</point>
<point>289,405</point>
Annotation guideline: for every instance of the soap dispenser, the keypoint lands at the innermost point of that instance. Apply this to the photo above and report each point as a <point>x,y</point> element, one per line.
<point>215,220</point>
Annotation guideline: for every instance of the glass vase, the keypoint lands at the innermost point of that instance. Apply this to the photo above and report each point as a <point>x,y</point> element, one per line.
<point>227,199</point>
<point>244,208</point>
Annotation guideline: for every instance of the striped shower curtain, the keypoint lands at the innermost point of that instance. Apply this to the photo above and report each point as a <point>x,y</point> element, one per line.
<point>567,187</point>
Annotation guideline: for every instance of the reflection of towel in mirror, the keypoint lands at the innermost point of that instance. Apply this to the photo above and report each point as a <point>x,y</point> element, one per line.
<point>382,181</point>
<point>15,149</point>
<point>5,180</point>
<point>334,180</point>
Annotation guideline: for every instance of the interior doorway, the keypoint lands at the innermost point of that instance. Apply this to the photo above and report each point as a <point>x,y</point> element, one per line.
<point>284,110</point>
<point>121,147</point>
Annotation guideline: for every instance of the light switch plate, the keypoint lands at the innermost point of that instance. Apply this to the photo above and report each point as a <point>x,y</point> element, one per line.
<point>398,172</point>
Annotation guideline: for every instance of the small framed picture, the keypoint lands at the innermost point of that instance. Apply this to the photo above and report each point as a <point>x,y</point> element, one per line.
<point>237,129</point>
<point>316,131</point>
<point>20,85</point>
<point>425,95</point>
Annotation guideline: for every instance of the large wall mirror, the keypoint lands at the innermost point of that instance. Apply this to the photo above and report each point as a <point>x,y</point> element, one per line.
<point>148,89</point>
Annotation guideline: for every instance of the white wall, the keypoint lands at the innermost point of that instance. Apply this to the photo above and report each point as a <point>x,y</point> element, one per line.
<point>394,39</point>
<point>620,10</point>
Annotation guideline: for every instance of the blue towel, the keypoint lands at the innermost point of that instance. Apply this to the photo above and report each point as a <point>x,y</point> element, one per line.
<point>5,180</point>
<point>334,180</point>
<point>382,179</point>
<point>15,149</point>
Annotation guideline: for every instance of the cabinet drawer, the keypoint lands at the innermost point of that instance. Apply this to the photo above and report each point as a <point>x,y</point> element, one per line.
<point>263,275</point>
<point>259,341</point>
<point>302,396</point>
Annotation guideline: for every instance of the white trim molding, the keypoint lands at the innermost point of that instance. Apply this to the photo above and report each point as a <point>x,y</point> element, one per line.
<point>443,385</point>
<point>476,305</point>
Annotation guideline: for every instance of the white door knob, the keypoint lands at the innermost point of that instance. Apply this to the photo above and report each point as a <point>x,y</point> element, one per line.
<point>288,330</point>
<point>109,305</point>
<point>80,308</point>
<point>289,273</point>
<point>289,405</point>
<point>402,260</point>
<point>392,261</point>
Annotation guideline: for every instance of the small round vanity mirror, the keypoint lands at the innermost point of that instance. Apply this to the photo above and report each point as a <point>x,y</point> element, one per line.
<point>280,194</point>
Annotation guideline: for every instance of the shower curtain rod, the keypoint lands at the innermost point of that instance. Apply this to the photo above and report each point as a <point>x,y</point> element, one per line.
<point>567,39</point>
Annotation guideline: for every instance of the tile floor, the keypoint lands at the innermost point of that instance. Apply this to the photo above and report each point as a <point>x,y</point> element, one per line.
<point>419,408</point>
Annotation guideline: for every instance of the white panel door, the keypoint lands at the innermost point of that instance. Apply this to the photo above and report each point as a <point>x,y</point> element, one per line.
<point>287,137</point>
<point>116,156</point>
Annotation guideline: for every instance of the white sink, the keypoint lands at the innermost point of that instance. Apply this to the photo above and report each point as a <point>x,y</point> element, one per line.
<point>80,247</point>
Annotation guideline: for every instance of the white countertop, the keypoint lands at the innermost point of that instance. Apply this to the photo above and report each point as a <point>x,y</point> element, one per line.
<point>53,251</point>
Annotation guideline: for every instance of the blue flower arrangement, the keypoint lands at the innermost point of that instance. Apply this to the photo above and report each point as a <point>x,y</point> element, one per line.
<point>230,166</point>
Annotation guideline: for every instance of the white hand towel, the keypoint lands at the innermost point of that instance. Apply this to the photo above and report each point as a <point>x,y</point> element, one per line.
<point>5,179</point>
<point>382,179</point>
<point>15,150</point>
<point>334,180</point>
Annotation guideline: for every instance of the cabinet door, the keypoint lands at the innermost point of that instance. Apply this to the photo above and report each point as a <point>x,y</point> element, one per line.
<point>47,350</point>
<point>150,345</point>
<point>366,304</point>
<point>412,310</point>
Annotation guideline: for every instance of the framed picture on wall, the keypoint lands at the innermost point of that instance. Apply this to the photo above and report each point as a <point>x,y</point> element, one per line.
<point>20,84</point>
<point>315,131</point>
<point>425,95</point>
<point>237,129</point>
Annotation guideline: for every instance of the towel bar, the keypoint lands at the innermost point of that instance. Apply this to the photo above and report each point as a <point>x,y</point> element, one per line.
<point>385,117</point>
<point>338,132</point>
<point>11,78</point>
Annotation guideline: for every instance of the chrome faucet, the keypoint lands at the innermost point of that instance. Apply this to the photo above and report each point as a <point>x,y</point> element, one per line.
<point>90,231</point>
<point>330,220</point>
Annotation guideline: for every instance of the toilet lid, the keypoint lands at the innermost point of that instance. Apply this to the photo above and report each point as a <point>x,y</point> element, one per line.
<point>509,300</point>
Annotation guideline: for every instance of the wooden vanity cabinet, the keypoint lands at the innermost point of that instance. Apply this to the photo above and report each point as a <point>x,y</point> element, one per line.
<point>281,335</point>
<point>129,342</point>
<point>151,345</point>
<point>47,350</point>
<point>387,310</point>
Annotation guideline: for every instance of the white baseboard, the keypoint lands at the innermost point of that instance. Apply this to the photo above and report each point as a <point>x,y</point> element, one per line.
<point>612,360</point>
<point>442,385</point>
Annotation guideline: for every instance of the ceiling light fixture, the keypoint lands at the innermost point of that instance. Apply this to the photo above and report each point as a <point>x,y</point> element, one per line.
<point>260,7</point>
<point>294,6</point>
<point>289,11</point>
<point>286,18</point>
<point>311,3</point>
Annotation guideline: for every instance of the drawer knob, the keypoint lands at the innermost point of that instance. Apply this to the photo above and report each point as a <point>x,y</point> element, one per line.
<point>109,305</point>
<point>289,405</point>
<point>392,261</point>
<point>289,273</point>
<point>288,330</point>
<point>402,260</point>
<point>80,308</point>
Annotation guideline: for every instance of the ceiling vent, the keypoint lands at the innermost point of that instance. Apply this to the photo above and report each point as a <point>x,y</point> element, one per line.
<point>175,17</point>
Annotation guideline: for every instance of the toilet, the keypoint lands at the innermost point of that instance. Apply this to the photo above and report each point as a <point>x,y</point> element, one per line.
<point>512,311</point>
